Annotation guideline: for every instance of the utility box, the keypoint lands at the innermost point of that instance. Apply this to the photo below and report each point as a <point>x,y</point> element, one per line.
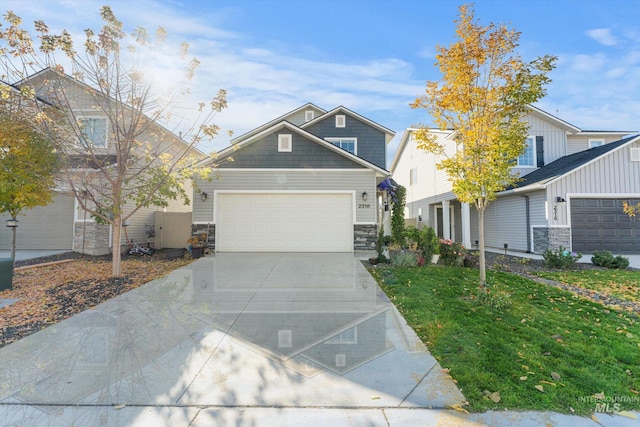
<point>6,273</point>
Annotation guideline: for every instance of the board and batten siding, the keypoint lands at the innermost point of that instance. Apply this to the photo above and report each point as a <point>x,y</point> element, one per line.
<point>288,180</point>
<point>607,176</point>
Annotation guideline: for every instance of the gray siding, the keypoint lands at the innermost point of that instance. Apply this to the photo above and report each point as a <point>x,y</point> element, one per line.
<point>43,227</point>
<point>290,180</point>
<point>371,141</point>
<point>305,154</point>
<point>505,222</point>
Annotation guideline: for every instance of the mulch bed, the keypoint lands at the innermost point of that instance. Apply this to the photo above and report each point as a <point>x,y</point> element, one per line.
<point>49,294</point>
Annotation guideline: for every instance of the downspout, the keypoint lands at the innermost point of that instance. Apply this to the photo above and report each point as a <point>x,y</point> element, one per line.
<point>528,215</point>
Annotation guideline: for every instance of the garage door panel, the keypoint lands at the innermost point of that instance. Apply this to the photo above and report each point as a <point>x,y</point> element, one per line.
<point>284,222</point>
<point>600,224</point>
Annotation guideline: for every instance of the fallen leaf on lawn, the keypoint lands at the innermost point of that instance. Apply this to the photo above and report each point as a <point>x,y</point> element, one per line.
<point>495,396</point>
<point>634,391</point>
<point>486,393</point>
<point>546,353</point>
<point>599,395</point>
<point>548,382</point>
<point>457,407</point>
<point>572,410</point>
<point>523,378</point>
<point>525,367</point>
<point>539,388</point>
<point>556,376</point>
<point>627,414</point>
<point>594,418</point>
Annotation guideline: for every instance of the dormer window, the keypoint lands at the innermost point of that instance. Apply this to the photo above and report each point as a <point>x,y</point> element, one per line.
<point>341,121</point>
<point>308,115</point>
<point>285,143</point>
<point>94,132</point>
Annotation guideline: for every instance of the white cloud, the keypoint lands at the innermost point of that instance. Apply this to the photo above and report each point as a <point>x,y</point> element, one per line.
<point>603,36</point>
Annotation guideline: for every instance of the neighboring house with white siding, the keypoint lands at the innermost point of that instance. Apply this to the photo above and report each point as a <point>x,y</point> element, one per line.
<point>574,184</point>
<point>63,225</point>
<point>304,182</point>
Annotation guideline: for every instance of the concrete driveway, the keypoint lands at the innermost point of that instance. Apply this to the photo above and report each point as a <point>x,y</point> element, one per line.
<point>232,339</point>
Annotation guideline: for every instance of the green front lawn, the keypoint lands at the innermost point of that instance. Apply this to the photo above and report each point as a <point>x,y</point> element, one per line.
<point>549,350</point>
<point>623,284</point>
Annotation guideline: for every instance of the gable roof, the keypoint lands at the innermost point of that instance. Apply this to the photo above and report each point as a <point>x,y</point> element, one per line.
<point>275,121</point>
<point>228,152</point>
<point>568,127</point>
<point>567,164</point>
<point>389,134</point>
<point>406,137</point>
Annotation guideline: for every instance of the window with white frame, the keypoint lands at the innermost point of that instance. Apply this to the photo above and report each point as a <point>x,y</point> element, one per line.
<point>94,131</point>
<point>413,176</point>
<point>308,115</point>
<point>350,336</point>
<point>595,142</point>
<point>635,154</point>
<point>82,215</point>
<point>528,158</point>
<point>341,121</point>
<point>419,214</point>
<point>349,144</point>
<point>285,143</point>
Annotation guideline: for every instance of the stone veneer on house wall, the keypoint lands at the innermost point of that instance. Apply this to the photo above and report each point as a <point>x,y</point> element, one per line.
<point>550,238</point>
<point>364,237</point>
<point>211,237</point>
<point>91,238</point>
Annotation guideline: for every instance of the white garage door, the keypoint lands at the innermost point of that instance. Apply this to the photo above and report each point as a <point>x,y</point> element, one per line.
<point>284,222</point>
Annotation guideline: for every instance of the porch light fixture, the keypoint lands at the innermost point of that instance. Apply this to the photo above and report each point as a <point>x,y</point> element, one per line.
<point>12,223</point>
<point>203,196</point>
<point>364,196</point>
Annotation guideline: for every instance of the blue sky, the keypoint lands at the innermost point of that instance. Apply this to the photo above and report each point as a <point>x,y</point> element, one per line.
<point>374,56</point>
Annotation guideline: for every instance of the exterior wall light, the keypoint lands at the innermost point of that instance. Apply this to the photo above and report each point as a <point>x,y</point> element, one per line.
<point>364,196</point>
<point>203,196</point>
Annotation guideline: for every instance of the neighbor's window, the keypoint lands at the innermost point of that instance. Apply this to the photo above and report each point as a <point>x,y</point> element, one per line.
<point>308,115</point>
<point>284,143</point>
<point>350,336</point>
<point>528,157</point>
<point>413,176</point>
<point>635,154</point>
<point>341,121</point>
<point>349,144</point>
<point>94,132</point>
<point>595,142</point>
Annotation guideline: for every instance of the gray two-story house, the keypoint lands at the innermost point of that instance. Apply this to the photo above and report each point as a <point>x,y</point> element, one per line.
<point>304,182</point>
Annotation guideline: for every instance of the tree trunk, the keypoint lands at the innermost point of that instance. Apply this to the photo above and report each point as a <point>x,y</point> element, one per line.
<point>13,243</point>
<point>116,256</point>
<point>482,259</point>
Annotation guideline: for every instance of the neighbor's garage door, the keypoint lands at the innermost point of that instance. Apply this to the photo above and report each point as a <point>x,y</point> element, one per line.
<point>600,224</point>
<point>47,227</point>
<point>284,223</point>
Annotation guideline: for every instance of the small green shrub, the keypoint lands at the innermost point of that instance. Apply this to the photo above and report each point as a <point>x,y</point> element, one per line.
<point>404,259</point>
<point>606,259</point>
<point>380,243</point>
<point>560,258</point>
<point>494,298</point>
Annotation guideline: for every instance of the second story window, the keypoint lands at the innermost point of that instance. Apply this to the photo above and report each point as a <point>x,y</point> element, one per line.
<point>595,143</point>
<point>94,132</point>
<point>413,176</point>
<point>349,144</point>
<point>528,157</point>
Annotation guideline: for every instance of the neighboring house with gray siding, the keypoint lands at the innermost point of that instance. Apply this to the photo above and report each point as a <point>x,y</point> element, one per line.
<point>574,184</point>
<point>63,225</point>
<point>305,182</point>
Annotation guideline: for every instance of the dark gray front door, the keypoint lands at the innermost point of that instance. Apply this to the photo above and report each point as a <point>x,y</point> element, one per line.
<point>600,224</point>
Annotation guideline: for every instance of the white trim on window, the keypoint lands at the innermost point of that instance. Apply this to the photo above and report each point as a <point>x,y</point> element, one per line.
<point>92,126</point>
<point>528,158</point>
<point>285,144</point>
<point>596,142</point>
<point>309,115</point>
<point>81,215</point>
<point>345,144</point>
<point>341,121</point>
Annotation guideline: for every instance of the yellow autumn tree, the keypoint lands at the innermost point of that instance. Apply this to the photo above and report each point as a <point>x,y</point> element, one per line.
<point>483,97</point>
